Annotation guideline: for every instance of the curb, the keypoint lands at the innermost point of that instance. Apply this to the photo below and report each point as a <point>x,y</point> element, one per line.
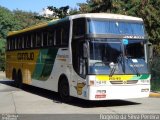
<point>155,95</point>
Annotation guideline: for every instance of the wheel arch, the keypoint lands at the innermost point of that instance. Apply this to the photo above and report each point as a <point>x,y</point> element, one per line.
<point>14,73</point>
<point>19,72</point>
<point>62,77</point>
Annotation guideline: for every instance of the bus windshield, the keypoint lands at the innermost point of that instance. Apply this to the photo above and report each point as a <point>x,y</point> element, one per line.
<point>104,51</point>
<point>108,53</point>
<point>115,27</point>
<point>135,49</point>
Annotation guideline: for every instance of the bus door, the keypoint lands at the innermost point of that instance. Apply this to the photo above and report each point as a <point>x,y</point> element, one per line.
<point>79,58</point>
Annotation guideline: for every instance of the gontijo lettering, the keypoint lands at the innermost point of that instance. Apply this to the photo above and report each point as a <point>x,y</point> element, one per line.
<point>25,56</point>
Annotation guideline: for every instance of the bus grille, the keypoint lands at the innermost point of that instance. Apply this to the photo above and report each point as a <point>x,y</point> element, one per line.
<point>124,82</point>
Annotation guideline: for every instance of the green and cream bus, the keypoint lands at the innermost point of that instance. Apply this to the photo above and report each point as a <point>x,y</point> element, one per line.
<point>94,56</point>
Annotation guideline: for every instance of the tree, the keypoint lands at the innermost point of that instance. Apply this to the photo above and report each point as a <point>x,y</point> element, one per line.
<point>59,12</point>
<point>2,54</point>
<point>7,22</point>
<point>73,11</point>
<point>96,6</point>
<point>26,19</point>
<point>84,8</point>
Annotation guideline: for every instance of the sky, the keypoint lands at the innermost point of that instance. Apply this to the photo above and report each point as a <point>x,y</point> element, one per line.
<point>38,5</point>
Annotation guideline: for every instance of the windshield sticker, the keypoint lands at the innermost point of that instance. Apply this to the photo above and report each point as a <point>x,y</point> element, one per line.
<point>125,41</point>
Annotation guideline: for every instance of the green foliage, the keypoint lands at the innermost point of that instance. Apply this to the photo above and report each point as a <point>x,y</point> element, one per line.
<point>59,12</point>
<point>26,19</point>
<point>2,46</point>
<point>93,6</point>
<point>155,69</point>
<point>74,11</point>
<point>2,53</point>
<point>63,11</point>
<point>7,22</point>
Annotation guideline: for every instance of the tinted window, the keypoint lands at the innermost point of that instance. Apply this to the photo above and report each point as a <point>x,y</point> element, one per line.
<point>135,49</point>
<point>58,36</point>
<point>115,27</point>
<point>19,43</point>
<point>78,27</point>
<point>28,41</point>
<point>34,40</point>
<point>8,43</point>
<point>51,38</point>
<point>38,39</point>
<point>104,51</point>
<point>12,43</point>
<point>65,33</point>
<point>45,38</point>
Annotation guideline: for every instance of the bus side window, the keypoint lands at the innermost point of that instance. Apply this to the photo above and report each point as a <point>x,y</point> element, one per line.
<point>39,39</point>
<point>12,43</point>
<point>45,38</point>
<point>34,40</point>
<point>19,43</point>
<point>22,43</point>
<point>65,33</point>
<point>78,27</point>
<point>15,43</point>
<point>58,36</point>
<point>28,41</point>
<point>51,38</point>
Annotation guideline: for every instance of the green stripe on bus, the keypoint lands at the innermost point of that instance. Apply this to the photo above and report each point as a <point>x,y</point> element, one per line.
<point>144,76</point>
<point>44,64</point>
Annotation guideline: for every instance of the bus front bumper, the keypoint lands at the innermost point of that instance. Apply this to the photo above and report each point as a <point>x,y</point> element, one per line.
<point>112,92</point>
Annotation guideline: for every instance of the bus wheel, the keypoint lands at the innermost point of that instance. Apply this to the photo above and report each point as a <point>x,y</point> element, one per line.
<point>14,77</point>
<point>19,79</point>
<point>63,90</point>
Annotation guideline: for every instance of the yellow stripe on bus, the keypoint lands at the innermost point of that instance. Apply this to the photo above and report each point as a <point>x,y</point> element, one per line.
<point>114,77</point>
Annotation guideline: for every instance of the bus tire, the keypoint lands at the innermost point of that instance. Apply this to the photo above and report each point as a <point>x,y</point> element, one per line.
<point>63,89</point>
<point>19,79</point>
<point>14,77</point>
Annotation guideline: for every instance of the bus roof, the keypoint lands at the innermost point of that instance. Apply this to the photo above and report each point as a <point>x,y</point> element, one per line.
<point>106,16</point>
<point>34,27</point>
<point>87,15</point>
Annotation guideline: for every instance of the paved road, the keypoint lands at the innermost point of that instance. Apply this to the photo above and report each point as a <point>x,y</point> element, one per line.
<point>33,100</point>
<point>2,75</point>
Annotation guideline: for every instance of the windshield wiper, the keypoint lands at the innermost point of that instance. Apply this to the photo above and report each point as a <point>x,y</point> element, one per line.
<point>134,66</point>
<point>113,69</point>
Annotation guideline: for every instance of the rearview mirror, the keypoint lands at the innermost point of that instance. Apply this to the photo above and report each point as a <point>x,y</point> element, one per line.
<point>150,51</point>
<point>85,53</point>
